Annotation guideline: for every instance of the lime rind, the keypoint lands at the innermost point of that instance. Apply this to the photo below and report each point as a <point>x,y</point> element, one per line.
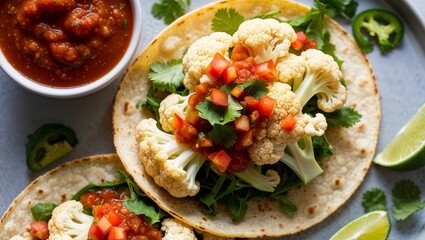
<point>374,225</point>
<point>407,150</point>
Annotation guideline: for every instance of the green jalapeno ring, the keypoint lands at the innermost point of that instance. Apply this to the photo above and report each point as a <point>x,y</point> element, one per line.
<point>382,24</point>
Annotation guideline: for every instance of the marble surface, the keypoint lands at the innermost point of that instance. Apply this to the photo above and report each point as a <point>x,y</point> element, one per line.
<point>400,75</point>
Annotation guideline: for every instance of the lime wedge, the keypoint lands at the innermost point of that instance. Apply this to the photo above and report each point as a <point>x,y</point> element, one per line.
<point>371,226</point>
<point>407,149</point>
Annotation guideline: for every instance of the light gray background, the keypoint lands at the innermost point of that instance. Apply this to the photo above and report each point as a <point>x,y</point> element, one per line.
<point>401,80</point>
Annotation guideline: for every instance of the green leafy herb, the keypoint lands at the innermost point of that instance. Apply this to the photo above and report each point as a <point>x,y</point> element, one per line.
<point>227,20</point>
<point>406,199</point>
<point>223,135</point>
<point>374,200</point>
<point>219,115</point>
<point>322,148</point>
<point>152,102</point>
<point>238,206</point>
<point>43,211</point>
<point>255,88</point>
<point>170,10</point>
<point>89,186</point>
<point>345,117</point>
<point>167,76</point>
<point>313,23</point>
<point>286,205</point>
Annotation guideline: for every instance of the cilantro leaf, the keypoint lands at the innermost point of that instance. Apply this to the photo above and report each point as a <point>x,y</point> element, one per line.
<point>223,135</point>
<point>344,8</point>
<point>345,117</point>
<point>286,205</point>
<point>237,206</point>
<point>169,10</point>
<point>219,115</point>
<point>322,147</point>
<point>152,102</point>
<point>255,88</point>
<point>406,199</point>
<point>167,76</point>
<point>374,200</point>
<point>227,20</point>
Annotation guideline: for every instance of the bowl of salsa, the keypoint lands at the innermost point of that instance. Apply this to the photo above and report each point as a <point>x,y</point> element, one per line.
<point>68,48</point>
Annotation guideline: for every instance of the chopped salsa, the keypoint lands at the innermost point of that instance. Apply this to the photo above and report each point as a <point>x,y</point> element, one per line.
<point>65,43</point>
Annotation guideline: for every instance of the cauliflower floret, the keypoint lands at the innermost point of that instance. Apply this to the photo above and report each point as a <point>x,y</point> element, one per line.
<point>291,70</point>
<point>172,104</point>
<point>68,222</point>
<point>252,175</point>
<point>173,166</point>
<point>267,38</point>
<point>269,145</point>
<point>200,54</point>
<point>323,79</point>
<point>174,229</point>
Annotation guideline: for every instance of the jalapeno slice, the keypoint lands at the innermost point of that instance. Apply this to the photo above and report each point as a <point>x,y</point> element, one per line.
<point>381,24</point>
<point>47,144</point>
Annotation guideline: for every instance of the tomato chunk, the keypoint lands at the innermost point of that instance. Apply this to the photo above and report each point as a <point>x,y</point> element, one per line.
<point>219,98</point>
<point>254,117</point>
<point>202,89</point>
<point>217,66</point>
<point>40,229</point>
<point>310,44</point>
<point>193,117</point>
<point>251,103</point>
<point>230,74</point>
<point>240,161</point>
<point>221,160</point>
<point>288,123</point>
<point>297,45</point>
<point>239,53</point>
<point>266,105</point>
<point>205,142</point>
<point>266,70</point>
<point>178,122</point>
<point>117,233</point>
<point>302,37</point>
<point>244,140</point>
<point>114,218</point>
<point>95,233</point>
<point>242,123</point>
<point>236,92</point>
<point>104,225</point>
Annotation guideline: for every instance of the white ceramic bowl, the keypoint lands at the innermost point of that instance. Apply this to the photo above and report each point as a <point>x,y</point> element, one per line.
<point>96,85</point>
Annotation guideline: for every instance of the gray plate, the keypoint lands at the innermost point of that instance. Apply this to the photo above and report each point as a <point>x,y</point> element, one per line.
<point>400,79</point>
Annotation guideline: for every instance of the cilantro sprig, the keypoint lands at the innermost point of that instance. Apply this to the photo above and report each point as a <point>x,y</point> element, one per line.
<point>217,114</point>
<point>374,200</point>
<point>227,20</point>
<point>170,10</point>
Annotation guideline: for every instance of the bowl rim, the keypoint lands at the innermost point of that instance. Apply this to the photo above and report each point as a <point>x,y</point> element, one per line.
<point>83,90</point>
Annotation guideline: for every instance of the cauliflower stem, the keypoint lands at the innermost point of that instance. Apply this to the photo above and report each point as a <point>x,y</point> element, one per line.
<point>256,179</point>
<point>300,158</point>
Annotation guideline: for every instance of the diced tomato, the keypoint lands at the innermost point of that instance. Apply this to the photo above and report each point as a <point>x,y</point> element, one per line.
<point>310,44</point>
<point>240,161</point>
<point>217,66</point>
<point>212,155</point>
<point>254,117</point>
<point>297,45</point>
<point>266,70</point>
<point>114,218</point>
<point>288,123</point>
<point>95,233</point>
<point>205,142</point>
<point>266,105</point>
<point>193,117</point>
<point>230,74</point>
<point>99,211</point>
<point>219,98</point>
<point>194,99</point>
<point>178,122</point>
<point>189,132</point>
<point>242,123</point>
<point>221,160</point>
<point>244,140</point>
<point>40,229</point>
<point>236,92</point>
<point>104,225</point>
<point>202,89</point>
<point>239,53</point>
<point>302,37</point>
<point>251,103</point>
<point>117,233</point>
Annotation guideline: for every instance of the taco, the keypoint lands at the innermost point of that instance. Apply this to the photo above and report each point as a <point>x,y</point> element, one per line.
<point>208,183</point>
<point>93,197</point>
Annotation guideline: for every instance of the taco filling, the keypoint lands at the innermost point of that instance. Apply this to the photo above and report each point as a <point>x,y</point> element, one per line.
<point>243,114</point>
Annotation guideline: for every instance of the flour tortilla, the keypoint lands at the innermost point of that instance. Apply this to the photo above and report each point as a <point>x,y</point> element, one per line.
<point>353,148</point>
<point>57,186</point>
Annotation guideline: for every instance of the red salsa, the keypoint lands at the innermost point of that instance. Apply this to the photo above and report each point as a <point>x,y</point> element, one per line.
<point>65,43</point>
